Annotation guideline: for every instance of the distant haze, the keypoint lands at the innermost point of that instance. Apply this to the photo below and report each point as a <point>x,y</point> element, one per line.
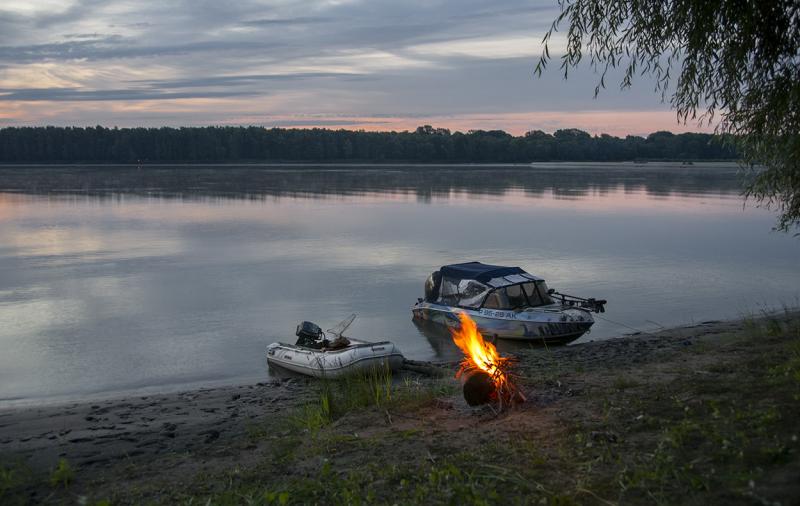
<point>377,65</point>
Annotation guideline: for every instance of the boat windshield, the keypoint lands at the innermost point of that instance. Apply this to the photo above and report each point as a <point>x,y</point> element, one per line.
<point>539,297</point>
<point>464,292</point>
<point>519,296</point>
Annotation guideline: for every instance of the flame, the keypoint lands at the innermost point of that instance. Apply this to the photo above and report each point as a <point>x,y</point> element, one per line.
<point>478,353</point>
<point>483,355</point>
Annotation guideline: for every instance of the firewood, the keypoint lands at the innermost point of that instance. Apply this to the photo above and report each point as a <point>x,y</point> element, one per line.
<point>478,386</point>
<point>425,368</point>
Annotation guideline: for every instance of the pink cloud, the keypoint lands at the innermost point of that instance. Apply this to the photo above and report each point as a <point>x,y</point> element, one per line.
<point>234,111</point>
<point>618,123</point>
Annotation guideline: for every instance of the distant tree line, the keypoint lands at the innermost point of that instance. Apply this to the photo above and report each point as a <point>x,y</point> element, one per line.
<point>425,144</point>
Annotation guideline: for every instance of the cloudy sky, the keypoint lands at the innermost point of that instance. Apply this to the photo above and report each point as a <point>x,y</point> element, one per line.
<point>371,64</point>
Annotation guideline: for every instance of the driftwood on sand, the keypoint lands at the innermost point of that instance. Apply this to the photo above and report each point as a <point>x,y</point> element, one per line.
<point>427,368</point>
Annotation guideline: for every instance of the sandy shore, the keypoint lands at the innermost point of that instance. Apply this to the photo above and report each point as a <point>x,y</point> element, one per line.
<point>127,441</point>
<point>97,433</point>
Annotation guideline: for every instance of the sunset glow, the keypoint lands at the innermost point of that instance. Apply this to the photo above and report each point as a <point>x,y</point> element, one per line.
<point>377,66</point>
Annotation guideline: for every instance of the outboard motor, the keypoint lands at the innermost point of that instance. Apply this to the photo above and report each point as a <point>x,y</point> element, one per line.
<point>309,329</point>
<point>432,285</point>
<point>309,335</point>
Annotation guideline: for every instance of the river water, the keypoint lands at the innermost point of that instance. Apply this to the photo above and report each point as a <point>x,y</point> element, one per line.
<point>118,279</point>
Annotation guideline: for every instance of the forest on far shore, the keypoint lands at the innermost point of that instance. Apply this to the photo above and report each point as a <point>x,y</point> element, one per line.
<point>425,144</point>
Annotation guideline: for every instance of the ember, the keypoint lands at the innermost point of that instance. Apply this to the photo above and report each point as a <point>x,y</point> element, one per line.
<point>485,375</point>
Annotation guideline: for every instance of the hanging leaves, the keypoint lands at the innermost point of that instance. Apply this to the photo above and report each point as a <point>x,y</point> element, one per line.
<point>738,61</point>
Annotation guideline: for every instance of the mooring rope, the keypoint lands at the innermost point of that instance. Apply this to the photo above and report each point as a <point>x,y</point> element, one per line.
<point>625,325</point>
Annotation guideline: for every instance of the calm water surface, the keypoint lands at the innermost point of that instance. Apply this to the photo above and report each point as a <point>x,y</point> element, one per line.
<point>117,279</point>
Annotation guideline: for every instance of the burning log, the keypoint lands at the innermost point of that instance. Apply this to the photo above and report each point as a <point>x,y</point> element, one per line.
<point>485,375</point>
<point>478,386</point>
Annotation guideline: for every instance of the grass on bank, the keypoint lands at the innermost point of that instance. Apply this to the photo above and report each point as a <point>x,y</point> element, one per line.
<point>62,475</point>
<point>715,422</point>
<point>13,476</point>
<point>16,476</point>
<point>375,389</point>
<point>726,433</point>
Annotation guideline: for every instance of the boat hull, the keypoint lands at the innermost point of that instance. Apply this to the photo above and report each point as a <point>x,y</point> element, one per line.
<point>548,324</point>
<point>358,358</point>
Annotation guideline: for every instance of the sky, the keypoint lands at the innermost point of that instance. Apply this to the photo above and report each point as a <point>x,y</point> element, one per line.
<point>371,64</point>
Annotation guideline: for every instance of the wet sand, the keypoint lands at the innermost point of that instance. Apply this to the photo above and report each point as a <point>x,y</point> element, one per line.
<point>95,434</point>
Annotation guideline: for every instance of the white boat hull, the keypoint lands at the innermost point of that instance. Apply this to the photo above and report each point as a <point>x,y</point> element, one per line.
<point>545,324</point>
<point>360,356</point>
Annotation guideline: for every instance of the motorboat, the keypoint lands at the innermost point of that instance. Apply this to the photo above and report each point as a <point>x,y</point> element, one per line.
<point>505,303</point>
<point>315,355</point>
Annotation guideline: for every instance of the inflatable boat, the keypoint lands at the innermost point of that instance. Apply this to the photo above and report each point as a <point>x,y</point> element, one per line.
<point>358,357</point>
<point>314,355</point>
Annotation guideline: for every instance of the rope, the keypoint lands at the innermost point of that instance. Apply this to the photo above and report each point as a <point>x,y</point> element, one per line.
<point>625,325</point>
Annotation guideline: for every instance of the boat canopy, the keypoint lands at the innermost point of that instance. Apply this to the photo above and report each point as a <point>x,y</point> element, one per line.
<point>491,274</point>
<point>468,284</point>
<point>477,271</point>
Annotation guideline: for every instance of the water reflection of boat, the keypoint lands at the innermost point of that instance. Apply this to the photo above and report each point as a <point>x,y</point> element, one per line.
<point>440,339</point>
<point>505,302</point>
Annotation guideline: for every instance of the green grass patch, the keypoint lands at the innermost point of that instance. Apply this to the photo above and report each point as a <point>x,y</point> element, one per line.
<point>624,383</point>
<point>13,477</point>
<point>374,389</point>
<point>62,475</point>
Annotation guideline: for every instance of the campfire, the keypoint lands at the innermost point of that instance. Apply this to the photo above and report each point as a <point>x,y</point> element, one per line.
<point>485,375</point>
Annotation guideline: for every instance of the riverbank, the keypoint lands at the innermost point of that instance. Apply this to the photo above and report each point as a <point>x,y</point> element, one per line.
<point>688,415</point>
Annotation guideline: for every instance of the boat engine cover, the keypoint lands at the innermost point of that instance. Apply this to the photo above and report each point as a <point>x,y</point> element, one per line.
<point>432,285</point>
<point>309,330</point>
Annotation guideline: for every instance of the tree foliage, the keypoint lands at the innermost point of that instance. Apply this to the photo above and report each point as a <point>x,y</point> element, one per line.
<point>737,64</point>
<point>426,144</point>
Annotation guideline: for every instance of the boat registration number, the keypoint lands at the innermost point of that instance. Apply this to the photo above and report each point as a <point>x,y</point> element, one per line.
<point>498,314</point>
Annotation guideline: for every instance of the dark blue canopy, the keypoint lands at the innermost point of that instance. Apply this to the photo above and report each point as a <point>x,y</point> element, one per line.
<point>478,271</point>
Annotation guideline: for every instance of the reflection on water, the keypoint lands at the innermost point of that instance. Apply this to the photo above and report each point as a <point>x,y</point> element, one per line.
<point>445,349</point>
<point>425,182</point>
<point>117,278</point>
<point>439,338</point>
